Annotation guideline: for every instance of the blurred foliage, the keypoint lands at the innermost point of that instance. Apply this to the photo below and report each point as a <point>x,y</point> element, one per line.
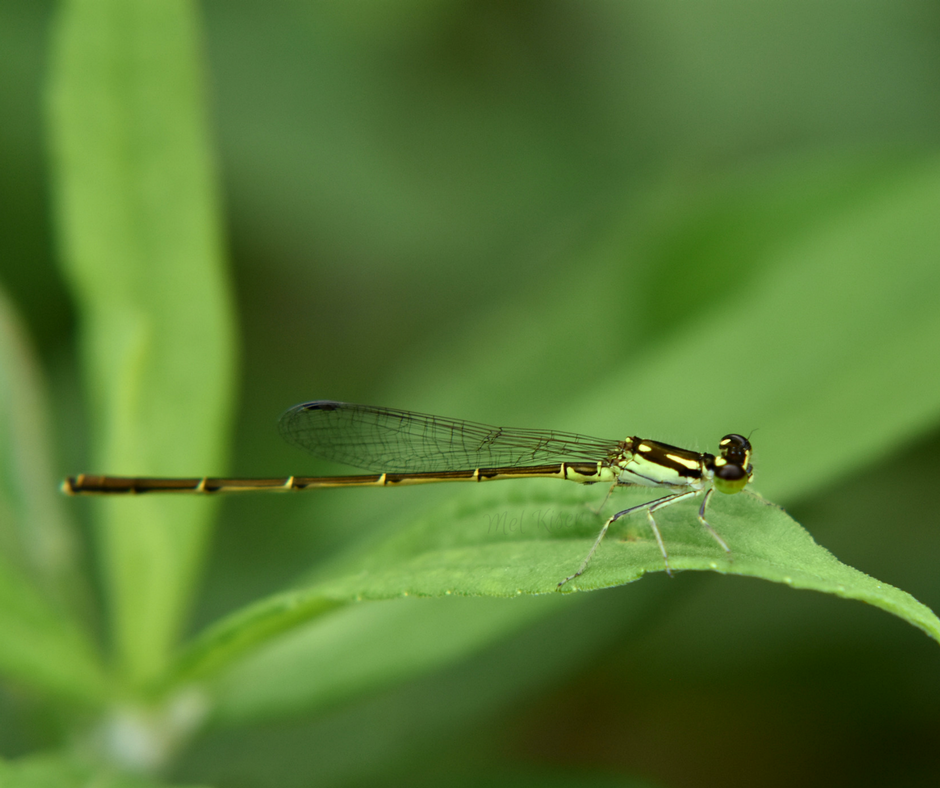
<point>665,219</point>
<point>55,771</point>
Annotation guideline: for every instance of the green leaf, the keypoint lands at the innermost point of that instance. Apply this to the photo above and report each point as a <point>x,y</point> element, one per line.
<point>362,648</point>
<point>517,776</point>
<point>41,642</point>
<point>67,771</point>
<point>824,352</point>
<point>139,231</point>
<point>245,630</point>
<point>42,646</point>
<point>34,533</point>
<point>347,639</point>
<point>816,335</point>
<point>549,543</point>
<point>427,719</point>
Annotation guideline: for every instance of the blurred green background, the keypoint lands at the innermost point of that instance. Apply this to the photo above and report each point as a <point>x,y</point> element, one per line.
<point>564,215</point>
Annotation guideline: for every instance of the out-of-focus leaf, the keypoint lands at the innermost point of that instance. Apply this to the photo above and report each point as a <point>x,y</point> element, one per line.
<point>139,231</point>
<point>827,354</point>
<point>67,771</point>
<point>34,534</point>
<point>824,332</point>
<point>42,647</point>
<point>247,630</point>
<point>428,717</point>
<point>41,644</point>
<point>521,777</point>
<point>363,648</point>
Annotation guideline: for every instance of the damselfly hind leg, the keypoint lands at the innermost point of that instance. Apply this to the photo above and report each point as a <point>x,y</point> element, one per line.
<point>650,507</point>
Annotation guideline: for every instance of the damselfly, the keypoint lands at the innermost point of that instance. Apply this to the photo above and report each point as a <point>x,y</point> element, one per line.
<point>402,447</point>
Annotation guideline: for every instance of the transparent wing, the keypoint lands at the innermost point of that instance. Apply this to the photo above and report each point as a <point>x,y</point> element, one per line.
<point>399,441</point>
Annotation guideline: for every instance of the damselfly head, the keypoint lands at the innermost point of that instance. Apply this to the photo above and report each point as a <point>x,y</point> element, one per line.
<point>733,469</point>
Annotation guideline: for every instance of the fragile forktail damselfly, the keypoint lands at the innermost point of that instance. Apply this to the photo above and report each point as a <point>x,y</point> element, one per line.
<point>402,447</point>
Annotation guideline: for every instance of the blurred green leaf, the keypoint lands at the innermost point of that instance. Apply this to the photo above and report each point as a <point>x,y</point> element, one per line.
<point>456,131</point>
<point>363,648</point>
<point>828,352</point>
<point>514,776</point>
<point>426,719</point>
<point>44,648</point>
<point>139,231</point>
<point>822,331</point>
<point>245,631</point>
<point>67,771</point>
<point>34,534</point>
<point>40,643</point>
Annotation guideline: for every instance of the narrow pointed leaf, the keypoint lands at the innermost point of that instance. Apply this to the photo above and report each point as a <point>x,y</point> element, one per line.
<point>42,643</point>
<point>139,229</point>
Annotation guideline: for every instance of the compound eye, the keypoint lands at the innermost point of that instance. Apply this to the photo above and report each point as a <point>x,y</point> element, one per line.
<point>731,479</point>
<point>735,449</point>
<point>730,473</point>
<point>734,441</point>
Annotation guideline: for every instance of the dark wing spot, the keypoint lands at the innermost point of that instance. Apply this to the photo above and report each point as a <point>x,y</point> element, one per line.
<point>323,404</point>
